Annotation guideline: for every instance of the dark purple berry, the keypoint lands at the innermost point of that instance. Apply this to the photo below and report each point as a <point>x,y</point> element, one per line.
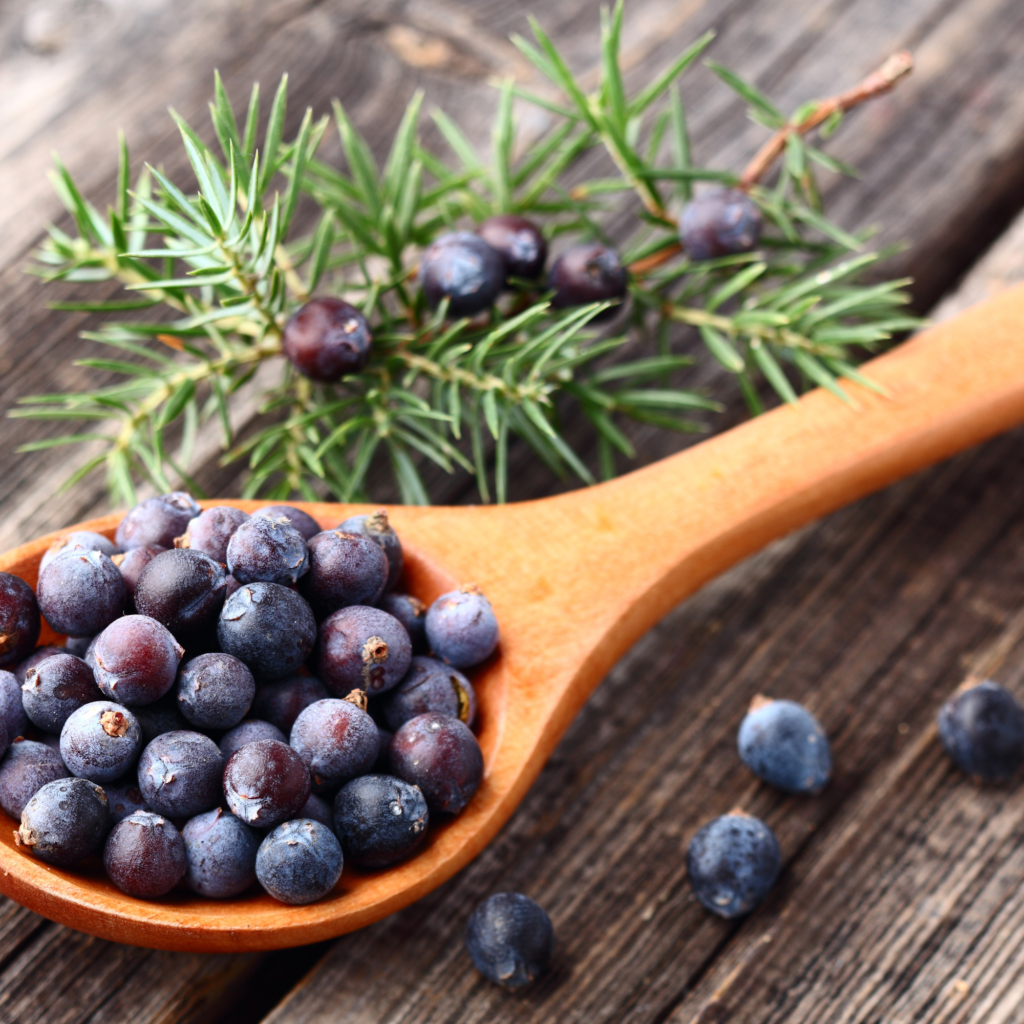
<point>317,808</point>
<point>733,862</point>
<point>362,648</point>
<point>130,565</point>
<point>266,783</point>
<point>720,222</point>
<point>12,709</point>
<point>268,550</point>
<point>182,589</point>
<point>55,688</point>
<point>221,852</point>
<point>100,741</point>
<point>411,612</point>
<point>280,702</point>
<point>39,654</point>
<point>64,822</point>
<point>80,592</point>
<point>215,691</point>
<point>344,569</point>
<point>26,768</point>
<point>510,939</point>
<point>461,627</point>
<point>19,620</point>
<point>377,528</point>
<point>982,729</point>
<point>77,645</point>
<point>430,686</point>
<point>383,764</point>
<point>135,660</point>
<point>248,731</point>
<point>211,530</point>
<point>518,242</point>
<point>180,773</point>
<point>81,540</point>
<point>327,339</point>
<point>145,855</point>
<point>302,521</point>
<point>337,741</point>
<point>161,716</point>
<point>299,862</point>
<point>157,521</point>
<point>269,627</point>
<point>380,820</point>
<point>124,797</point>
<point>442,757</point>
<point>464,269</point>
<point>784,744</point>
<point>588,273</point>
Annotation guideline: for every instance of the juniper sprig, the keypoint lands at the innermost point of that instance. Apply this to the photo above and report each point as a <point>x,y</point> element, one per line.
<point>221,267</point>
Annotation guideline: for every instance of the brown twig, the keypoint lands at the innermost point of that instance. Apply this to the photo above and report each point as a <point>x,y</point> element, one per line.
<point>880,81</point>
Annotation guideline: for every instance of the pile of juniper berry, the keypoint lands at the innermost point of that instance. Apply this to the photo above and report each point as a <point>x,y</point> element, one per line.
<point>240,699</point>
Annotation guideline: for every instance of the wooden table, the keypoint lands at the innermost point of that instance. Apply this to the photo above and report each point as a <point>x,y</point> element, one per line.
<point>902,896</point>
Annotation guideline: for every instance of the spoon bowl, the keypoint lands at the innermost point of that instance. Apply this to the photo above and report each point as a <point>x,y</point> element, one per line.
<point>574,581</point>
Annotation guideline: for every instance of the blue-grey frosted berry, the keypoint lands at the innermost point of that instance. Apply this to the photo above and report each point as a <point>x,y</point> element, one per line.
<point>720,222</point>
<point>55,688</point>
<point>430,685</point>
<point>461,627</point>
<point>982,729</point>
<point>378,528</point>
<point>267,550</point>
<point>362,648</point>
<point>145,855</point>
<point>124,797</point>
<point>299,862</point>
<point>80,592</point>
<point>81,539</point>
<point>180,774</point>
<point>157,521</point>
<point>249,731</point>
<point>211,530</point>
<point>344,569</point>
<point>781,742</point>
<point>380,820</point>
<point>19,620</point>
<point>510,939</point>
<point>302,521</point>
<point>215,691</point>
<point>159,717</point>
<point>411,612</point>
<point>733,862</point>
<point>269,627</point>
<point>442,757</point>
<point>100,741</point>
<point>135,660</point>
<point>65,821</point>
<point>221,851</point>
<point>25,769</point>
<point>464,269</point>
<point>12,711</point>
<point>336,740</point>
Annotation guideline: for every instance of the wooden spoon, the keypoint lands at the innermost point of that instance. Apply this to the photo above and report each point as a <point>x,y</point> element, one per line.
<point>574,581</point>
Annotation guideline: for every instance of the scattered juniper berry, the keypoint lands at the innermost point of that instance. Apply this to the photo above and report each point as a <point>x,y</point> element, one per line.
<point>26,768</point>
<point>211,530</point>
<point>156,521</point>
<point>248,731</point>
<point>80,592</point>
<point>518,242</point>
<point>378,528</point>
<point>588,273</point>
<point>411,612</point>
<point>145,855</point>
<point>442,757</point>
<point>463,268</point>
<point>982,728</point>
<point>124,797</point>
<point>733,862</point>
<point>327,339</point>
<point>337,740</point>
<point>221,851</point>
<point>362,648</point>
<point>269,627</point>
<point>461,627</point>
<point>215,691</point>
<point>380,820</point>
<point>268,550</point>
<point>720,222</point>
<point>180,773</point>
<point>299,862</point>
<point>64,822</point>
<point>280,702</point>
<point>182,589</point>
<point>55,688</point>
<point>100,741</point>
<point>510,939</point>
<point>430,685</point>
<point>302,521</point>
<point>19,620</point>
<point>265,783</point>
<point>784,744</point>
<point>344,569</point>
<point>135,660</point>
<point>82,540</point>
